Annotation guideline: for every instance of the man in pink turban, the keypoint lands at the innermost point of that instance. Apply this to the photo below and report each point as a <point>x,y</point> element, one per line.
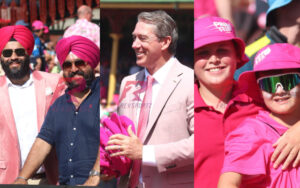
<point>72,122</point>
<point>25,97</point>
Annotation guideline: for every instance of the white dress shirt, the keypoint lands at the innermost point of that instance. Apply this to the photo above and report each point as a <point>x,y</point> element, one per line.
<point>159,78</point>
<point>24,107</point>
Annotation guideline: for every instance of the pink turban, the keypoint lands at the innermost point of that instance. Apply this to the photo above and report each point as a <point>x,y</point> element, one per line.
<point>19,32</point>
<point>84,48</point>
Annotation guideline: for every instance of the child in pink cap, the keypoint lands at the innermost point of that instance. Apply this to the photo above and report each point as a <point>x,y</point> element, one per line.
<point>218,98</point>
<point>248,149</point>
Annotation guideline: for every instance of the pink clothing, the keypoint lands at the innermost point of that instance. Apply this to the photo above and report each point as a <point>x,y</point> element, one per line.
<point>45,87</point>
<point>211,128</point>
<point>248,151</point>
<point>86,29</point>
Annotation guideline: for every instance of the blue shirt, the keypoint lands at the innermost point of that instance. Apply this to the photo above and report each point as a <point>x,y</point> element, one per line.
<point>74,134</point>
<point>38,49</point>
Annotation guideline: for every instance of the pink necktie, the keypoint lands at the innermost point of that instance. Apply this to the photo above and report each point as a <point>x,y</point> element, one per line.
<point>142,124</point>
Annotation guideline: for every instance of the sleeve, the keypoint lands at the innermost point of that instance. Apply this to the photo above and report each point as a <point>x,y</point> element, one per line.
<point>37,48</point>
<point>180,153</point>
<point>148,158</point>
<point>246,149</point>
<point>47,131</point>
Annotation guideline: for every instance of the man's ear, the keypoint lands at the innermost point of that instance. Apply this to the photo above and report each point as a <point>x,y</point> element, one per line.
<point>165,42</point>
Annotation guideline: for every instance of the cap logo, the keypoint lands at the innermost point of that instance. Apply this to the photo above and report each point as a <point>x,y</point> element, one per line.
<point>261,56</point>
<point>223,26</point>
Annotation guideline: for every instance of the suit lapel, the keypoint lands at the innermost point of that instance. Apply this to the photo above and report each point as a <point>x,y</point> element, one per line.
<point>6,110</point>
<point>166,90</point>
<point>39,86</point>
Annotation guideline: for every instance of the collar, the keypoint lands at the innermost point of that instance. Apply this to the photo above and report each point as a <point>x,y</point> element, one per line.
<point>237,96</point>
<point>161,74</point>
<point>28,83</point>
<point>276,37</point>
<point>82,20</point>
<point>265,117</point>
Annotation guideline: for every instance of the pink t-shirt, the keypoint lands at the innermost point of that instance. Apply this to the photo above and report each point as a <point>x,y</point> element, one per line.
<point>248,151</point>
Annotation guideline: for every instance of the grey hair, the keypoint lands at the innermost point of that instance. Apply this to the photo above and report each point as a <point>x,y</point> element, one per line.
<point>165,26</point>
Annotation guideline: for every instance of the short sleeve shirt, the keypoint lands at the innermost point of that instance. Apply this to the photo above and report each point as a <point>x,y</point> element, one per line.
<point>248,150</point>
<point>211,127</point>
<point>75,135</point>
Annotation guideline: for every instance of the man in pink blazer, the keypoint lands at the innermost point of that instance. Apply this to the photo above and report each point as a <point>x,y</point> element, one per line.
<point>166,148</point>
<point>16,89</point>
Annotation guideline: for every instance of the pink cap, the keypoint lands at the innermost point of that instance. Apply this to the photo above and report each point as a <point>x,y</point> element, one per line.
<point>46,29</point>
<point>272,57</point>
<point>210,29</point>
<point>37,24</point>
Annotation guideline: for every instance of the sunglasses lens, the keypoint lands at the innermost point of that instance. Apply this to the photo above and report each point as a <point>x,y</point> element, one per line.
<point>7,52</point>
<point>270,84</point>
<point>79,63</point>
<point>67,65</point>
<point>20,52</point>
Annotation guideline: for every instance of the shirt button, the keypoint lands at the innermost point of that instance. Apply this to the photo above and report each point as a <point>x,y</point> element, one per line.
<point>71,144</point>
<point>76,112</point>
<point>72,176</point>
<point>74,128</point>
<point>70,160</point>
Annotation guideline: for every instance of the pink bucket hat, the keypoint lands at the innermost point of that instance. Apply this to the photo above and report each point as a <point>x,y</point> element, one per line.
<point>37,24</point>
<point>272,57</point>
<point>210,29</point>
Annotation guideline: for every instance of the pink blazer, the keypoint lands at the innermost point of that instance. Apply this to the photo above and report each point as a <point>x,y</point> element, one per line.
<point>45,85</point>
<point>170,128</point>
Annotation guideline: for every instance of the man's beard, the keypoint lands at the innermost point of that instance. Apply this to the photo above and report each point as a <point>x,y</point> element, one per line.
<point>83,84</point>
<point>16,73</point>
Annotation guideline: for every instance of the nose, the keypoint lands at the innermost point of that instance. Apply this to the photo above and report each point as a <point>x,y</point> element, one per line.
<point>214,59</point>
<point>279,88</point>
<point>135,43</point>
<point>14,55</point>
<point>74,68</point>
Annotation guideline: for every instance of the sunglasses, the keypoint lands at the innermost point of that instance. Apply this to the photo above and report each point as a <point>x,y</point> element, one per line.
<point>18,51</point>
<point>38,30</point>
<point>78,63</point>
<point>286,81</point>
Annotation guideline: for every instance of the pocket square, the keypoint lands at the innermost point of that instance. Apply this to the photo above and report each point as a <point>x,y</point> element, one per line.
<point>48,91</point>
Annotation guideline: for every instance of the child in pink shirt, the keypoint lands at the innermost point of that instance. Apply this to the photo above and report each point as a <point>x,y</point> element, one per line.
<point>276,79</point>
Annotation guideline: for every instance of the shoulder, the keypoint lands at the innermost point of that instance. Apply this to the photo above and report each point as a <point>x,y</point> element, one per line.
<point>134,77</point>
<point>254,47</point>
<point>49,79</point>
<point>250,130</point>
<point>185,70</point>
<point>46,76</point>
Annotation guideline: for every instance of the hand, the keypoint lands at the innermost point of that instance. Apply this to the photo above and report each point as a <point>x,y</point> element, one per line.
<point>92,181</point>
<point>287,148</point>
<point>106,177</point>
<point>21,181</point>
<point>129,146</point>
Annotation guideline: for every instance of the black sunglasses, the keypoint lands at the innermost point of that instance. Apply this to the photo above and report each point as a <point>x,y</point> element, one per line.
<point>18,51</point>
<point>38,30</point>
<point>77,63</point>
